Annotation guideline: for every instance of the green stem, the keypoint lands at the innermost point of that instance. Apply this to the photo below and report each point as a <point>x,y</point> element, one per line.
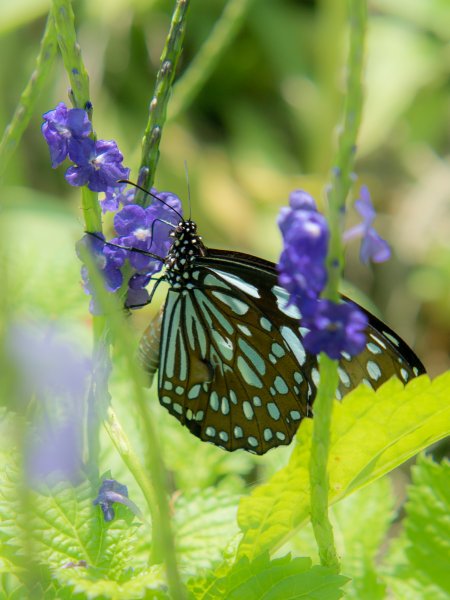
<point>158,105</point>
<point>131,460</point>
<point>71,53</point>
<point>25,108</point>
<point>209,55</point>
<point>341,180</point>
<point>340,186</point>
<point>79,94</point>
<point>154,490</point>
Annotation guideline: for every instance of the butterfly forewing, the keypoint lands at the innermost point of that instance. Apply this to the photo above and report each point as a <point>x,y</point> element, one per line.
<point>233,368</point>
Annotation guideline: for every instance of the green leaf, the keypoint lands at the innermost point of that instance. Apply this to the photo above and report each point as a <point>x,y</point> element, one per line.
<point>372,433</point>
<point>268,579</point>
<point>425,562</point>
<point>361,523</point>
<point>66,535</point>
<point>138,585</point>
<point>427,524</point>
<point>205,522</point>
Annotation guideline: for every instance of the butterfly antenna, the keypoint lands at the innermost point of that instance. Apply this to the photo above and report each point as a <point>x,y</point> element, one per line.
<point>150,194</point>
<point>188,187</point>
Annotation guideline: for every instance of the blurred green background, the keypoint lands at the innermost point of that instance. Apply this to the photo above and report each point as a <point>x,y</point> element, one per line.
<point>262,124</point>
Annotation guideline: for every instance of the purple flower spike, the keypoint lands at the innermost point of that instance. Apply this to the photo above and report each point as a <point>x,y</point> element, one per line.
<point>109,260</point>
<point>98,165</point>
<point>305,233</point>
<point>52,369</point>
<point>62,128</point>
<point>335,328</point>
<point>373,247</point>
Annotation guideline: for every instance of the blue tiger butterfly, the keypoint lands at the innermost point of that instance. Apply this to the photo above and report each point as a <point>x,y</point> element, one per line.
<point>231,363</point>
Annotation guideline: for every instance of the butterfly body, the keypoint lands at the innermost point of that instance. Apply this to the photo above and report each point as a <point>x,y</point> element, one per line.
<point>232,366</point>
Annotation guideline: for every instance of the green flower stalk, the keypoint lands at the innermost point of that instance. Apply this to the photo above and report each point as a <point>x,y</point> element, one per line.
<point>339,189</point>
<point>26,105</point>
<point>158,105</point>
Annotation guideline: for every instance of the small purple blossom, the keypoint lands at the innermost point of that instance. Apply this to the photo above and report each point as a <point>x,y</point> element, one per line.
<point>143,241</point>
<point>108,260</point>
<point>110,492</point>
<point>98,165</point>
<point>62,129</point>
<point>115,197</point>
<point>55,372</point>
<point>373,247</point>
<point>332,328</point>
<point>335,328</point>
<point>305,233</point>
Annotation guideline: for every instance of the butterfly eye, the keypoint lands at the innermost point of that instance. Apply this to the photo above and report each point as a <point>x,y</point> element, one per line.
<point>232,366</point>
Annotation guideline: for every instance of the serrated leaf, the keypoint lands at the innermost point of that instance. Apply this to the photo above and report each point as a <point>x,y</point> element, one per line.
<point>149,584</point>
<point>265,579</point>
<point>427,524</point>
<point>68,528</point>
<point>204,523</point>
<point>372,433</point>
<point>361,523</point>
<point>61,528</point>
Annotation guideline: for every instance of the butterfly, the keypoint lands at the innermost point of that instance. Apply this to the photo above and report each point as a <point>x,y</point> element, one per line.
<point>232,366</point>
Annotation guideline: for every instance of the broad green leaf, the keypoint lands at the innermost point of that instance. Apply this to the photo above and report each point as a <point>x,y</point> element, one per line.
<point>265,579</point>
<point>204,522</point>
<point>426,560</point>
<point>372,433</point>
<point>428,524</point>
<point>361,523</point>
<point>149,584</point>
<point>11,535</point>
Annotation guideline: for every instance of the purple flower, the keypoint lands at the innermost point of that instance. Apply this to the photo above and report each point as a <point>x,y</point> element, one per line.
<point>143,239</point>
<point>108,259</point>
<point>55,372</point>
<point>98,165</point>
<point>305,233</point>
<point>116,196</point>
<point>148,230</point>
<point>110,492</point>
<point>373,247</point>
<point>62,128</point>
<point>335,328</point>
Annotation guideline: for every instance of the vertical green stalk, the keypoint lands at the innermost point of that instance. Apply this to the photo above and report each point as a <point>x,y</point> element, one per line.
<point>79,94</point>
<point>25,107</point>
<point>71,53</point>
<point>154,489</point>
<point>340,186</point>
<point>158,105</point>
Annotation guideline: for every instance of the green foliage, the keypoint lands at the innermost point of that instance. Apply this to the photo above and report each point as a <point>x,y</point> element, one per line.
<point>421,558</point>
<point>205,524</point>
<point>267,579</point>
<point>372,433</point>
<point>260,107</point>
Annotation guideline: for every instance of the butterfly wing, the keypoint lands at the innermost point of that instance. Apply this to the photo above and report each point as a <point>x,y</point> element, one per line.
<point>232,365</point>
<point>235,375</point>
